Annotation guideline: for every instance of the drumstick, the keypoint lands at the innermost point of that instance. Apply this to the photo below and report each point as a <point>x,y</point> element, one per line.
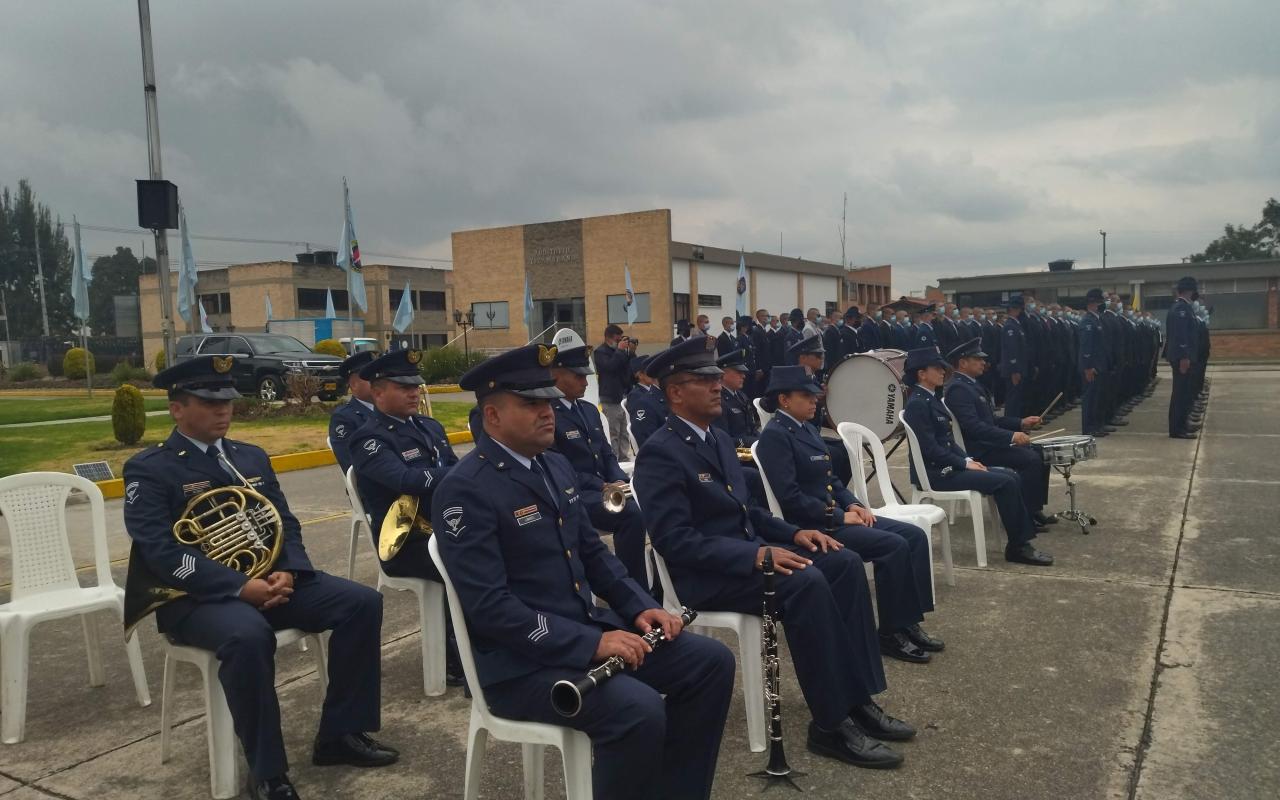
<point>1050,433</point>
<point>1051,405</point>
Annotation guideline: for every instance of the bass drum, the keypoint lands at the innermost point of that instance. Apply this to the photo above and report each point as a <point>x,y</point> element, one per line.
<point>866,388</point>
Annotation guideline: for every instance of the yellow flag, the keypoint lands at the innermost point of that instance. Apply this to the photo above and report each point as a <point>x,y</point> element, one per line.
<point>1137,298</point>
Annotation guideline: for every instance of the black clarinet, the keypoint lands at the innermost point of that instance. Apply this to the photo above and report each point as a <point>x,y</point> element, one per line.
<point>566,696</point>
<point>777,769</point>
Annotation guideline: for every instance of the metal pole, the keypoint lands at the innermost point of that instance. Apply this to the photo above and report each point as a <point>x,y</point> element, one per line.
<point>44,311</point>
<point>4,304</point>
<point>1104,249</point>
<point>157,173</point>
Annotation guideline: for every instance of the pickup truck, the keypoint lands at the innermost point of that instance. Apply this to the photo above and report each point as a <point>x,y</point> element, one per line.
<point>263,360</point>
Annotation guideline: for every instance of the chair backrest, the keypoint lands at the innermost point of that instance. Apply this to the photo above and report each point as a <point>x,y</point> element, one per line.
<point>669,599</point>
<point>852,439</point>
<point>917,458</point>
<point>774,508</point>
<point>357,505</point>
<point>765,416</point>
<point>631,437</point>
<point>34,505</point>
<point>328,443</point>
<point>461,630</point>
<point>955,426</point>
<point>605,427</point>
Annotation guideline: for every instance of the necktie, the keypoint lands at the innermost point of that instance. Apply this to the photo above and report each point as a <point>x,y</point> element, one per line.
<point>536,468</point>
<point>435,457</point>
<point>715,448</point>
<point>582,419</point>
<point>216,454</point>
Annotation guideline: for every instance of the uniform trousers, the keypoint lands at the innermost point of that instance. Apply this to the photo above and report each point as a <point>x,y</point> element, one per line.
<point>643,746</point>
<point>900,553</point>
<point>627,528</point>
<point>1005,486</point>
<point>1013,396</point>
<point>1091,412</point>
<point>616,419</point>
<point>243,639</point>
<point>1033,473</point>
<point>830,627</point>
<point>1180,401</point>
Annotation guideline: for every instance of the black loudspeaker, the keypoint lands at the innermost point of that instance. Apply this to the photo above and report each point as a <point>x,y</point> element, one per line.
<point>157,205</point>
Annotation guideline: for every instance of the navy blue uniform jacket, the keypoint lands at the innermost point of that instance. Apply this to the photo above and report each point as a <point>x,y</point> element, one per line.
<point>647,408</point>
<point>394,458</point>
<point>343,424</point>
<point>737,418</point>
<point>795,459</point>
<point>586,448</point>
<point>525,564</point>
<point>982,430</point>
<point>158,483</point>
<point>1013,349</point>
<point>1181,328</point>
<point>869,335</point>
<point>698,510</point>
<point>1093,349</point>
<point>923,336</point>
<point>932,425</point>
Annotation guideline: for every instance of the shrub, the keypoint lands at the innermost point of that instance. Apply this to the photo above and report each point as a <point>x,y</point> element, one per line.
<point>330,347</point>
<point>446,364</point>
<point>73,363</point>
<point>25,371</point>
<point>128,415</point>
<point>302,386</point>
<point>159,360</point>
<point>124,372</point>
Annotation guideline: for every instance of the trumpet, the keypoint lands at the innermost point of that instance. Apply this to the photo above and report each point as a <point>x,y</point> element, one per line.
<point>614,496</point>
<point>744,455</point>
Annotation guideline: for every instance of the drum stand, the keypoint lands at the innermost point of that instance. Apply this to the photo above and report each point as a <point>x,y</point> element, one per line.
<point>1077,515</point>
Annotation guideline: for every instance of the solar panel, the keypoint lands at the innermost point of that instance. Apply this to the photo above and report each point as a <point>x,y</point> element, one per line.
<point>94,471</point>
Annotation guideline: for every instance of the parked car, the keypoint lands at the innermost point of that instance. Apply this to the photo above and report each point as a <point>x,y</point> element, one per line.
<point>264,361</point>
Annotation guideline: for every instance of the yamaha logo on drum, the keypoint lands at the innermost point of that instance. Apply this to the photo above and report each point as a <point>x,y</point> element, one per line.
<point>891,405</point>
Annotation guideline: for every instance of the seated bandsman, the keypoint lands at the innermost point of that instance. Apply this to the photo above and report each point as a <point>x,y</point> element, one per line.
<point>714,538</point>
<point>646,407</point>
<point>580,438</point>
<point>353,414</point>
<point>996,441</point>
<point>794,458</point>
<point>951,469</point>
<point>810,355</point>
<point>526,561</point>
<point>223,610</point>
<point>399,452</point>
<point>738,416</point>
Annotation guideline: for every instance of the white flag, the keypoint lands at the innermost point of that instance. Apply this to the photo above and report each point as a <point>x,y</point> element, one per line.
<point>404,314</point>
<point>186,269</point>
<point>629,299</point>
<point>329,311</point>
<point>267,297</point>
<point>349,255</point>
<point>204,319</point>
<point>741,306</point>
<point>80,277</point>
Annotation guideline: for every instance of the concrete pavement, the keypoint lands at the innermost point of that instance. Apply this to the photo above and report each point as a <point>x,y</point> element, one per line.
<point>1140,666</point>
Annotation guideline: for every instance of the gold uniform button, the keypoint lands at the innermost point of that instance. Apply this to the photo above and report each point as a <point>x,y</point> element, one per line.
<point>561,520</point>
<point>729,486</point>
<point>828,487</point>
<point>577,587</point>
<point>568,554</point>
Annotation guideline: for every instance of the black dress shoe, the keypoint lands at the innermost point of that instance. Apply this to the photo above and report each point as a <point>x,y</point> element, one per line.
<point>1108,429</point>
<point>927,643</point>
<point>872,719</point>
<point>850,745</point>
<point>1040,528</point>
<point>353,749</point>
<point>1101,432</point>
<point>1183,435</point>
<point>273,789</point>
<point>1119,422</point>
<point>1026,554</point>
<point>898,645</point>
<point>1042,519</point>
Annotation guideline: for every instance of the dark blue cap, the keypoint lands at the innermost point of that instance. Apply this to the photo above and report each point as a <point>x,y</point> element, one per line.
<point>852,312</point>
<point>575,359</point>
<point>398,366</point>
<point>734,359</point>
<point>696,355</point>
<point>525,371</point>
<point>790,379</point>
<point>353,363</point>
<point>1015,301</point>
<point>745,321</point>
<point>1187,284</point>
<point>1093,295</point>
<point>970,349</point>
<point>920,358</point>
<point>929,309</point>
<point>810,345</point>
<point>638,363</point>
<point>204,376</point>
<point>797,315</point>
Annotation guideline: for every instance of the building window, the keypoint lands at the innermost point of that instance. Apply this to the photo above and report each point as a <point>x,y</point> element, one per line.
<point>313,299</point>
<point>708,301</point>
<point>831,306</point>
<point>219,303</point>
<point>618,310</point>
<point>430,301</point>
<point>680,306</point>
<point>396,295</point>
<point>491,315</point>
<point>428,340</point>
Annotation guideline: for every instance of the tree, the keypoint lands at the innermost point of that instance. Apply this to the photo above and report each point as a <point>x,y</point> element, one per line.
<point>22,219</point>
<point>1242,243</point>
<point>112,275</point>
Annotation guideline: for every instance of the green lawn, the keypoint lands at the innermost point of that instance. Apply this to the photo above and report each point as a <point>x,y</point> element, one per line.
<point>13,409</point>
<point>57,447</point>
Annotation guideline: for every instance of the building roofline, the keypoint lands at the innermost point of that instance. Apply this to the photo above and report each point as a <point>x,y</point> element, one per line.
<point>1190,266</point>
<point>755,260</point>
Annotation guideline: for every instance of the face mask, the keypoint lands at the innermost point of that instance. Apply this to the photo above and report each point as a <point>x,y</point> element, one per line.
<point>879,315</point>
<point>706,326</point>
<point>840,323</point>
<point>982,317</point>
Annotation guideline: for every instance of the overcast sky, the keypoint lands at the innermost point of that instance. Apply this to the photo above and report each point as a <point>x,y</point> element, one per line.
<point>970,136</point>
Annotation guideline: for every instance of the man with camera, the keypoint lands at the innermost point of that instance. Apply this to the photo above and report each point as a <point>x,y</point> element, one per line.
<point>613,365</point>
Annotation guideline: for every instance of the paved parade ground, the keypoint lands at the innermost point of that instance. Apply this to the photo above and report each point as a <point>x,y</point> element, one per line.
<point>1143,664</point>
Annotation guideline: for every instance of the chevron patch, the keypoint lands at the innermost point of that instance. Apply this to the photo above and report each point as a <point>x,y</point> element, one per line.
<point>540,631</point>
<point>186,568</point>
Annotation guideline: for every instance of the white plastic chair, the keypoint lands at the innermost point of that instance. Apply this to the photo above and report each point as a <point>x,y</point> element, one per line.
<point>631,437</point>
<point>750,632</point>
<point>430,596</point>
<point>765,416</point>
<point>45,586</point>
<point>224,750</point>
<point>924,516</point>
<point>627,466</point>
<point>575,746</point>
<point>975,499</point>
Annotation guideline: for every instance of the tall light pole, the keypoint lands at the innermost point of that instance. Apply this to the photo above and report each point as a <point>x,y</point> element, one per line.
<point>153,154</point>
<point>1104,249</point>
<point>44,310</point>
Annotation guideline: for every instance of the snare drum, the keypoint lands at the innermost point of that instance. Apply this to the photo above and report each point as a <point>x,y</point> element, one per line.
<point>866,388</point>
<point>1067,450</point>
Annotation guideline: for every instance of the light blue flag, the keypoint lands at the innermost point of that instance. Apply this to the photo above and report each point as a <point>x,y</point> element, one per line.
<point>204,318</point>
<point>80,277</point>
<point>267,297</point>
<point>741,306</point>
<point>349,254</point>
<point>329,311</point>
<point>528,306</point>
<point>186,269</point>
<point>629,299</point>
<point>404,313</point>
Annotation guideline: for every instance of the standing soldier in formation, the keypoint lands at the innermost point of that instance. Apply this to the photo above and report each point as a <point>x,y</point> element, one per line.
<point>924,334</point>
<point>1182,331</point>
<point>851,333</point>
<point>833,341</point>
<point>1015,370</point>
<point>1092,365</point>
<point>869,332</point>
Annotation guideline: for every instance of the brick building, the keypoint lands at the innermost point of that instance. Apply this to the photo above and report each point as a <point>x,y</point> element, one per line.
<point>233,299</point>
<point>576,279</point>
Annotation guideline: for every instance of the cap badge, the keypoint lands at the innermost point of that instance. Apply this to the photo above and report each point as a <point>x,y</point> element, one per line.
<point>222,364</point>
<point>413,356</point>
<point>546,354</point>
